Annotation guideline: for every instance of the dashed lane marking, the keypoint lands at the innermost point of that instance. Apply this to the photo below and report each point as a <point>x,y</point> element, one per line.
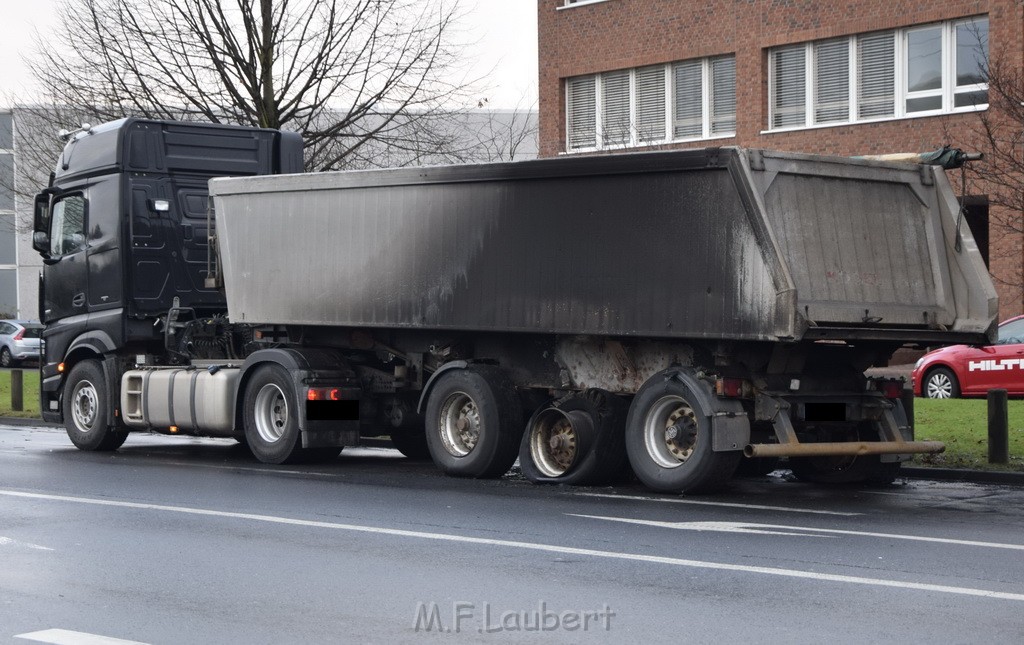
<point>801,531</point>
<point>698,502</point>
<point>68,637</point>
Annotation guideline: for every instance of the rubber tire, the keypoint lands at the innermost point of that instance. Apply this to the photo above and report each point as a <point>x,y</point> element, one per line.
<point>412,444</point>
<point>948,373</point>
<point>98,436</point>
<point>501,420</point>
<point>6,359</point>
<point>288,448</point>
<point>704,471</point>
<point>606,461</point>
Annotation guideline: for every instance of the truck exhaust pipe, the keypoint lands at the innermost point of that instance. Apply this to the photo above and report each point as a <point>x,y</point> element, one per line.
<point>853,449</point>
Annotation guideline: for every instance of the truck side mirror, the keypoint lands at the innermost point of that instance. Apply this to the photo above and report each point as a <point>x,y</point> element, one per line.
<point>41,223</point>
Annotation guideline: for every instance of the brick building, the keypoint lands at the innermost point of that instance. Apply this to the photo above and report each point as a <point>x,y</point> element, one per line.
<point>847,78</point>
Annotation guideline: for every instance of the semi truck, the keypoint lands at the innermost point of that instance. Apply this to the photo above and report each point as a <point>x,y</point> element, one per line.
<point>664,315</point>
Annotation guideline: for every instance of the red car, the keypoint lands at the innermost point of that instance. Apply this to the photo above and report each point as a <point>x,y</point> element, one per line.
<point>962,370</point>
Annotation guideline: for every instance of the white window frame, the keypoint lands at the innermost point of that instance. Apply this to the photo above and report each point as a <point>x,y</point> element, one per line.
<point>568,4</point>
<point>634,130</point>
<point>948,91</point>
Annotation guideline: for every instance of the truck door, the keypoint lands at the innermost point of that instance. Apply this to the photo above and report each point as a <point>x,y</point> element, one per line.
<point>169,245</point>
<point>66,270</point>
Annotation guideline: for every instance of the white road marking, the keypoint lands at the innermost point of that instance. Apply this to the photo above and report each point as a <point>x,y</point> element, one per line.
<point>6,541</point>
<point>532,546</point>
<point>67,637</point>
<point>801,531</point>
<point>697,502</point>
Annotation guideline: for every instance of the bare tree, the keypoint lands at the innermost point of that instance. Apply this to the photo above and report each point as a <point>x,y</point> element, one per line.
<point>343,73</point>
<point>999,132</point>
<point>502,135</point>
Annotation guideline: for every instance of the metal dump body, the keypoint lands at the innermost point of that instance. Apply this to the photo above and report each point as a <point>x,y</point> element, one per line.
<point>717,243</point>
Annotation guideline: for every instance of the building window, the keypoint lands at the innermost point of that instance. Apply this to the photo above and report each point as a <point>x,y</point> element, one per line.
<point>6,131</point>
<point>651,105</point>
<point>930,69</point>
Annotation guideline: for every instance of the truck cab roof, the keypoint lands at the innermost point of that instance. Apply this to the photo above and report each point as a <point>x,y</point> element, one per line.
<point>167,147</point>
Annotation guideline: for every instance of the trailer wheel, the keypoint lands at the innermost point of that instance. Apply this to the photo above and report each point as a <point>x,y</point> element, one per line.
<point>474,422</point>
<point>270,418</point>
<point>579,441</point>
<point>85,409</point>
<point>668,440</point>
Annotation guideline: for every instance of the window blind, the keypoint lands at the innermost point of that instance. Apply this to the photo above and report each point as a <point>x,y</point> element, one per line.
<point>832,81</point>
<point>615,107</point>
<point>650,103</point>
<point>723,95</point>
<point>582,110</point>
<point>876,75</point>
<point>790,87</point>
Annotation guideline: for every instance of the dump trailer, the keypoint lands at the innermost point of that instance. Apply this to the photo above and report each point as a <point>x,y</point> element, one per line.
<point>668,313</point>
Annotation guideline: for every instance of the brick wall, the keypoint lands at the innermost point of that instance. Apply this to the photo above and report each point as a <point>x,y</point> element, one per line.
<point>620,34</point>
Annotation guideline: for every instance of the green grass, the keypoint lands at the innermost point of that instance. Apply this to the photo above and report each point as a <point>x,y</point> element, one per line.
<point>30,394</point>
<point>962,424</point>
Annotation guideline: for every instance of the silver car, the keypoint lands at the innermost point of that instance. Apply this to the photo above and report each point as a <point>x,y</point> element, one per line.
<point>19,341</point>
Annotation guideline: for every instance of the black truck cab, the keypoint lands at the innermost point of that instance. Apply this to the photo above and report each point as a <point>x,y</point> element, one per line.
<point>124,231</point>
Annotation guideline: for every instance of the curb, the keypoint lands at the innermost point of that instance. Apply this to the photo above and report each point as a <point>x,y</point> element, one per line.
<point>906,472</point>
<point>28,421</point>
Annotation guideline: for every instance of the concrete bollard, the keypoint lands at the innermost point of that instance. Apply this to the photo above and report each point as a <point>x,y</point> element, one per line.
<point>998,428</point>
<point>17,390</point>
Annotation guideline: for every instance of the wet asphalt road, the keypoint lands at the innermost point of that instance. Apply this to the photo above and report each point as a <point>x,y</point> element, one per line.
<point>176,540</point>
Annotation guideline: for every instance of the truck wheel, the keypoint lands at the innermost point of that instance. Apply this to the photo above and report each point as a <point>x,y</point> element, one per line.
<point>85,409</point>
<point>579,441</point>
<point>269,416</point>
<point>474,422</point>
<point>411,443</point>
<point>668,440</point>
<point>941,383</point>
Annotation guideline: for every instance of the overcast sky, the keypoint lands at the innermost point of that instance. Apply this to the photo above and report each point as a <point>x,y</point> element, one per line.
<point>504,32</point>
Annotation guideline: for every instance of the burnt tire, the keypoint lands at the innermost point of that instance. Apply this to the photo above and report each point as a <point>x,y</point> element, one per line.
<point>270,417</point>
<point>412,444</point>
<point>941,383</point>
<point>86,408</point>
<point>668,439</point>
<point>473,422</point>
<point>600,457</point>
